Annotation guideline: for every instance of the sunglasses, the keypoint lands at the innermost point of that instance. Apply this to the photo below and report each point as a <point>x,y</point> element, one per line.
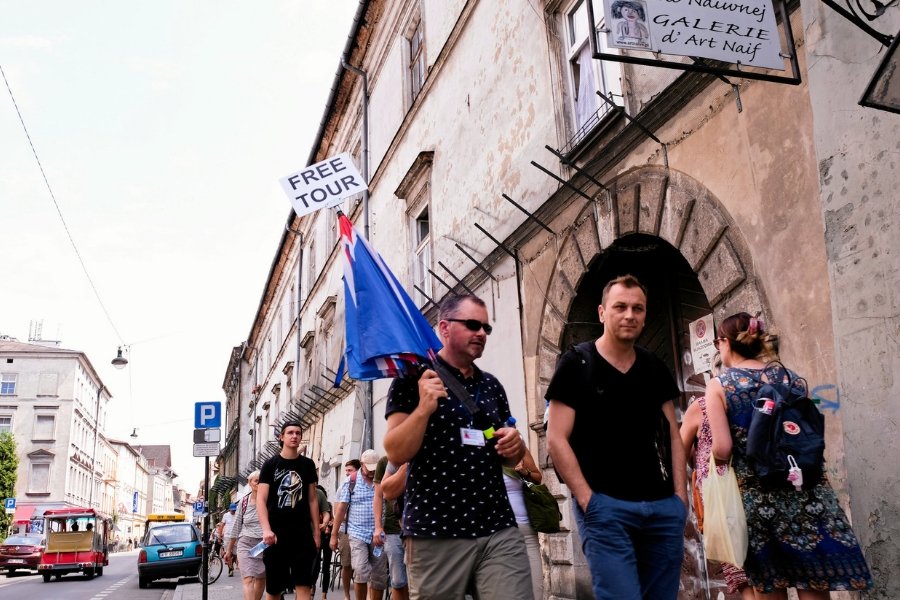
<point>474,325</point>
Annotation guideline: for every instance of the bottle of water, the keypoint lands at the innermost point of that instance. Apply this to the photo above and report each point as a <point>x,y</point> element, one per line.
<point>258,549</point>
<point>378,550</point>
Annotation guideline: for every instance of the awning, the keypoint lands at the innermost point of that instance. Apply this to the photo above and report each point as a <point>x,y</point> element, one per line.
<point>23,514</point>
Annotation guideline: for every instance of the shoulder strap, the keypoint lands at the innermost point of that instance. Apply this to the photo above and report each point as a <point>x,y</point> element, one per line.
<point>244,503</point>
<point>453,384</point>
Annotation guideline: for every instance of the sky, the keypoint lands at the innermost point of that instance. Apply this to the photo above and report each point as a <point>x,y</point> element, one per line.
<point>162,128</point>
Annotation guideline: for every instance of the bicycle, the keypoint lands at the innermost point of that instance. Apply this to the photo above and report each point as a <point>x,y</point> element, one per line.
<point>213,569</point>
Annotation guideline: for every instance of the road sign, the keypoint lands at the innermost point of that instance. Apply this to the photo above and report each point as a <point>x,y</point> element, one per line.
<point>199,505</point>
<point>207,415</point>
<point>206,449</point>
<point>207,435</point>
<point>10,505</point>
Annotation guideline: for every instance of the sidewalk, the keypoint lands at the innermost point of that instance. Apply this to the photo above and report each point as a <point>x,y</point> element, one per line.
<point>230,588</point>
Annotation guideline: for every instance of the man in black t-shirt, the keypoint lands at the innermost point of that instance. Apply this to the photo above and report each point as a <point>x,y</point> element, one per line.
<point>613,437</point>
<point>288,509</point>
<point>459,527</point>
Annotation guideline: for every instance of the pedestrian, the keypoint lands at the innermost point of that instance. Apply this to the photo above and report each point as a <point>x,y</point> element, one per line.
<point>288,508</point>
<point>613,438</point>
<point>697,439</point>
<point>356,507</point>
<point>460,530</point>
<point>515,478</point>
<point>245,533</point>
<point>387,528</point>
<point>325,523</point>
<point>797,538</point>
<point>226,524</point>
<point>351,470</point>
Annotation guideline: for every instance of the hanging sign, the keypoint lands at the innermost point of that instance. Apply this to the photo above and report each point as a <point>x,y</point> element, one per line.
<point>703,348</point>
<point>323,184</point>
<point>734,31</point>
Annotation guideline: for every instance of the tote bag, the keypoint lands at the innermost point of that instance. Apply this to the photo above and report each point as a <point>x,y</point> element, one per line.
<point>724,522</point>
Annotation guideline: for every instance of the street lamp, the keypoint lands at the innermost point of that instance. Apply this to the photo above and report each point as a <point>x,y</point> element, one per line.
<point>119,361</point>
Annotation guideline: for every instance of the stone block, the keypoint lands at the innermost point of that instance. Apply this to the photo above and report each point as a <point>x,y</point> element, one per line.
<point>627,206</point>
<point>571,264</point>
<point>606,221</point>
<point>651,198</point>
<point>677,209</point>
<point>861,290</point>
<point>552,326</point>
<point>562,581</point>
<point>586,237</point>
<point>746,297</point>
<point>866,359</point>
<point>561,292</point>
<point>721,272</point>
<point>548,358</point>
<point>704,228</point>
<point>559,549</point>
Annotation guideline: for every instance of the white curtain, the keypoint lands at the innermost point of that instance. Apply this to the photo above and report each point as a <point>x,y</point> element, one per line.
<point>586,98</point>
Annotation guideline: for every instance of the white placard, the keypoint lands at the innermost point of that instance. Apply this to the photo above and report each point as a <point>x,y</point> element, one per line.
<point>208,449</point>
<point>702,347</point>
<point>323,184</point>
<point>733,31</point>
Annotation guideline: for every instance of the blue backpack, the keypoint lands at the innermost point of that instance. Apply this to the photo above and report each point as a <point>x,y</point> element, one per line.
<point>787,433</point>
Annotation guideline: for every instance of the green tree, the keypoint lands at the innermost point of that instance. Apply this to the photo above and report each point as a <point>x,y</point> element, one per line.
<point>9,464</point>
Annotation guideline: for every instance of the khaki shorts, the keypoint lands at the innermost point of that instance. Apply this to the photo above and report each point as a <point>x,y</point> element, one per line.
<point>344,549</point>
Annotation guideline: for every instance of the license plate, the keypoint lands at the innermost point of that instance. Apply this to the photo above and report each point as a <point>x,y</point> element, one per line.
<point>17,561</point>
<point>171,553</point>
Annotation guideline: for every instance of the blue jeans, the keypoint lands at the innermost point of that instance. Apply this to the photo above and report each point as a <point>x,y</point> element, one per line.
<point>634,549</point>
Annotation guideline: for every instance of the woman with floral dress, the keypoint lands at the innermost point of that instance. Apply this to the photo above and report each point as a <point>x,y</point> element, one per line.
<point>798,539</point>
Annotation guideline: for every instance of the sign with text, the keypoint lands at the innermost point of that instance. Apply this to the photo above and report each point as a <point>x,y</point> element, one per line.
<point>738,32</point>
<point>206,449</point>
<point>703,348</point>
<point>323,184</point>
<point>207,435</point>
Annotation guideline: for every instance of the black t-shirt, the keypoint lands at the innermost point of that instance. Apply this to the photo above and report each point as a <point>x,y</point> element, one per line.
<point>287,502</point>
<point>620,436</point>
<point>453,490</point>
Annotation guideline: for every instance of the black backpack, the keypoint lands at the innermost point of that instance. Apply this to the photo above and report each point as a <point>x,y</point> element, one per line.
<point>786,430</point>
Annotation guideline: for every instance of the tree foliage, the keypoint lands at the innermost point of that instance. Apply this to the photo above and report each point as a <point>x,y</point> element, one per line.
<point>9,464</point>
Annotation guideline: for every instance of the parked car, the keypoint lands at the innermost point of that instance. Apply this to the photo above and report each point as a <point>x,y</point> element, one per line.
<point>21,552</point>
<point>169,550</point>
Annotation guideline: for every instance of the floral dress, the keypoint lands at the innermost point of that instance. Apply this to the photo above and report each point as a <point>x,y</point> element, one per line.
<point>797,539</point>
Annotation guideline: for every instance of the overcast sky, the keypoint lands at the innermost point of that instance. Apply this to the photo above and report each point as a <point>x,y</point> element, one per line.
<point>163,128</point>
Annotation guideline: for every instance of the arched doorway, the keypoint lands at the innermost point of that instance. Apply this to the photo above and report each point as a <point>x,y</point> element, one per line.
<point>667,229</point>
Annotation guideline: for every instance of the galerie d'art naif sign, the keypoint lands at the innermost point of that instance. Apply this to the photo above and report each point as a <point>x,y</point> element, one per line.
<point>735,31</point>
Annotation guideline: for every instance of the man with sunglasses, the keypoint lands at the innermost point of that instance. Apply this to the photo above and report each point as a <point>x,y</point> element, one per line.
<point>460,530</point>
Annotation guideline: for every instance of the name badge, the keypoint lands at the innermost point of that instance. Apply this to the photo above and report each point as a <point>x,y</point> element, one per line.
<point>471,437</point>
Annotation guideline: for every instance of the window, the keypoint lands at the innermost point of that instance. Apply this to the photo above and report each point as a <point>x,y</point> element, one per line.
<point>422,248</point>
<point>416,190</point>
<point>5,423</point>
<point>415,66</point>
<point>311,267</point>
<point>8,384</point>
<point>39,479</point>
<point>588,76</point>
<point>44,427</point>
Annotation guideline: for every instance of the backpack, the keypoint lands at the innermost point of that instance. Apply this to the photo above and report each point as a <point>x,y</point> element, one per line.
<point>786,438</point>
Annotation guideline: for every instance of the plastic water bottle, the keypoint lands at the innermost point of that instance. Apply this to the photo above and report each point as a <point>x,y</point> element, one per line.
<point>258,549</point>
<point>511,422</point>
<point>378,550</point>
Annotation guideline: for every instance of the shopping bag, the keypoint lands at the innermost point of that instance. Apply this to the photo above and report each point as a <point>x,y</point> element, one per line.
<point>724,521</point>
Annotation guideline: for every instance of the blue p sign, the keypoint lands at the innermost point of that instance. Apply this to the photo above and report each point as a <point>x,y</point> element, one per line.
<point>207,415</point>
<point>9,503</point>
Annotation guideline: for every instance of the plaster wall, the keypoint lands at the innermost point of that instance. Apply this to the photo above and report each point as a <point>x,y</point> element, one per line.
<point>857,151</point>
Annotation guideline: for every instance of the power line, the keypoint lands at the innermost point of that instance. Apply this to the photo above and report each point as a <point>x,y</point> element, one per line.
<point>59,211</point>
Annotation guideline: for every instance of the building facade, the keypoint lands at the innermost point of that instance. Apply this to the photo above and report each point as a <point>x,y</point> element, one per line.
<point>720,195</point>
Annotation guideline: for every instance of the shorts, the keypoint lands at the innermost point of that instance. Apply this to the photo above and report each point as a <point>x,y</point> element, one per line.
<point>344,549</point>
<point>290,563</point>
<point>368,568</point>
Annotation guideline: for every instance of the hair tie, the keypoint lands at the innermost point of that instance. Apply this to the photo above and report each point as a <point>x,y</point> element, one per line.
<point>756,326</point>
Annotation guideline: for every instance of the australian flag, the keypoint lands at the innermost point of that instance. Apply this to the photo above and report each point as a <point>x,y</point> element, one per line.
<point>386,335</point>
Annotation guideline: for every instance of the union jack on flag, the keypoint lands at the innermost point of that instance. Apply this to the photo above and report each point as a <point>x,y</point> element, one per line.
<point>386,334</point>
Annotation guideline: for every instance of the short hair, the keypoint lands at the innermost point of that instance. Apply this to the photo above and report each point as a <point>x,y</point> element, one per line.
<point>618,5</point>
<point>629,281</point>
<point>451,304</point>
<point>354,462</point>
<point>291,423</point>
<point>252,475</point>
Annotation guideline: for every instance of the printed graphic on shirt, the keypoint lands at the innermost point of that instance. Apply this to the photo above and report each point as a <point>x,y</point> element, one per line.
<point>290,488</point>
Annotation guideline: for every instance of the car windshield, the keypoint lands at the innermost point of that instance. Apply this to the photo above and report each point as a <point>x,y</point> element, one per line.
<point>23,540</point>
<point>170,534</point>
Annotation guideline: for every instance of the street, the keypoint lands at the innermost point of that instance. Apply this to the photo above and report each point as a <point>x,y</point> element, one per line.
<point>119,580</point>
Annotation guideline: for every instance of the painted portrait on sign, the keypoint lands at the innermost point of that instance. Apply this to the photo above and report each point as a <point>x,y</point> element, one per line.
<point>628,24</point>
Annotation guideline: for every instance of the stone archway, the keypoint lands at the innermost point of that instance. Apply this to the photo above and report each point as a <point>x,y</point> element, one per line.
<point>653,201</point>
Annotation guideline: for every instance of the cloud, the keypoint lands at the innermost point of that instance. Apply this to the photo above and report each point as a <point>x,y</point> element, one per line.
<point>30,42</point>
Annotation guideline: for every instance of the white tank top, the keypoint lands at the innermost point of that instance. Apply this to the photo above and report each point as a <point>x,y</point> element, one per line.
<point>516,499</point>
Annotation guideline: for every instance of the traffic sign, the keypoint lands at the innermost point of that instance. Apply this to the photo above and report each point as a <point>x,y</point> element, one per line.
<point>199,505</point>
<point>10,505</point>
<point>207,415</point>
<point>207,449</point>
<point>207,435</point>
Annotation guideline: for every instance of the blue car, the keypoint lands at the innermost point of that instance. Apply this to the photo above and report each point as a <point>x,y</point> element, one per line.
<point>169,550</point>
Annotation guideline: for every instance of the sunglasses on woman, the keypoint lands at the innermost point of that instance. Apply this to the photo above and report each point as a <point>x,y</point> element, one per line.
<point>473,325</point>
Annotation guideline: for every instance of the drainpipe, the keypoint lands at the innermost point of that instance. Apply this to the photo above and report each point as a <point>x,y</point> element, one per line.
<point>369,429</point>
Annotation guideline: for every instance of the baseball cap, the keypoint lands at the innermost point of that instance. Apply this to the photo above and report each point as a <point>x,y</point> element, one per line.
<point>370,459</point>
<point>232,506</point>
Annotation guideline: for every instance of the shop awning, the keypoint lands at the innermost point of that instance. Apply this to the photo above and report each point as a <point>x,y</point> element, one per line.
<point>23,514</point>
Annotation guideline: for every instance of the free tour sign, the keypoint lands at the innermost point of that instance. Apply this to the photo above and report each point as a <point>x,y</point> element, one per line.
<point>734,31</point>
<point>323,184</point>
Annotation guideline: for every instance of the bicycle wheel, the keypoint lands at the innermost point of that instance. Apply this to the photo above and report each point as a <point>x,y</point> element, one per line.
<point>214,569</point>
<point>335,567</point>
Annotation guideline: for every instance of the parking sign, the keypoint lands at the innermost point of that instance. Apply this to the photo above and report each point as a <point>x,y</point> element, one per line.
<point>207,415</point>
<point>10,505</point>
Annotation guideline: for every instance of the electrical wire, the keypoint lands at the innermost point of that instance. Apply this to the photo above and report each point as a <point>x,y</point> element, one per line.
<point>59,211</point>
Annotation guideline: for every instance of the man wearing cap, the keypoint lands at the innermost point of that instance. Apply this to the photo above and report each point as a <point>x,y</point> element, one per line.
<point>356,507</point>
<point>452,429</point>
<point>227,523</point>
